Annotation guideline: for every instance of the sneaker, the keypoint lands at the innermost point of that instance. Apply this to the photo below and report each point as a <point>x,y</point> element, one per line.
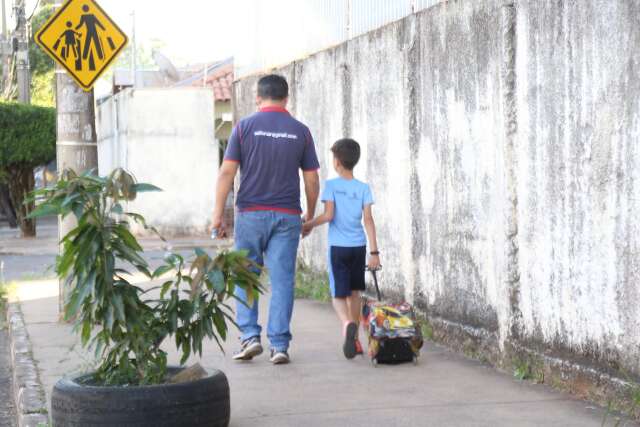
<point>249,349</point>
<point>350,336</point>
<point>359,350</point>
<point>279,357</point>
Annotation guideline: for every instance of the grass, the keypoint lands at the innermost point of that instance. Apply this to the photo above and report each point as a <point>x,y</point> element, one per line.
<point>311,284</point>
<point>4,298</point>
<point>528,370</point>
<point>426,328</point>
<point>632,408</point>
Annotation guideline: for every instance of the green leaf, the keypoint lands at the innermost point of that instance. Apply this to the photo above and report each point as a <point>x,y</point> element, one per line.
<point>143,187</point>
<point>162,270</point>
<point>108,317</point>
<point>221,325</point>
<point>165,287</point>
<point>217,280</point>
<point>118,304</point>
<point>117,209</point>
<point>86,332</point>
<point>44,209</point>
<point>84,290</point>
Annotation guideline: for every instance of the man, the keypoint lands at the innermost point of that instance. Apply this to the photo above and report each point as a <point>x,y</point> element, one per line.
<point>269,147</point>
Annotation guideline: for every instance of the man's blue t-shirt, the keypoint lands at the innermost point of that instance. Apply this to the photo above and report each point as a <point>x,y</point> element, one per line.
<point>271,147</point>
<point>349,196</point>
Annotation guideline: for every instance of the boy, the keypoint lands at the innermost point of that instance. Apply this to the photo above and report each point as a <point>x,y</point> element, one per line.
<point>346,201</point>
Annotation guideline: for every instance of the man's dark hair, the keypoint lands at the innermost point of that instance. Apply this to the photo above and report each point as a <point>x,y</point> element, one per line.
<point>273,87</point>
<point>347,151</point>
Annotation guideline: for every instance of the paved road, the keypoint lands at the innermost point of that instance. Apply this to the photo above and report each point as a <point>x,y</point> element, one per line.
<point>7,411</point>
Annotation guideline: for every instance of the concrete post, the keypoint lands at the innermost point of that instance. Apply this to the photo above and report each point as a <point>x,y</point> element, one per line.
<point>22,56</point>
<point>76,146</point>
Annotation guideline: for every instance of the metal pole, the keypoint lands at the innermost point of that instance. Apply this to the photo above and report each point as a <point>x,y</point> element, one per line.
<point>76,146</point>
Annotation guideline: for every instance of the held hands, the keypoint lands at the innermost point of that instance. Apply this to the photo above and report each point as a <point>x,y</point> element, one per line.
<point>307,227</point>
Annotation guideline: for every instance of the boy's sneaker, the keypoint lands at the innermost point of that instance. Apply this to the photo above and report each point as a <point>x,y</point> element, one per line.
<point>350,336</point>
<point>359,350</point>
<point>249,349</point>
<point>279,357</point>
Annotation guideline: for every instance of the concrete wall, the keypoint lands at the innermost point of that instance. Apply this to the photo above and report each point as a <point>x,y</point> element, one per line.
<point>578,99</point>
<point>164,137</point>
<point>499,142</point>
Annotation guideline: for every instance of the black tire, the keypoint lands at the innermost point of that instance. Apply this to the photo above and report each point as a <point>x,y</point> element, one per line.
<point>199,403</point>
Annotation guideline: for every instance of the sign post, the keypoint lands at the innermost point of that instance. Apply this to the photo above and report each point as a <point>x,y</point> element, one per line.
<point>83,41</point>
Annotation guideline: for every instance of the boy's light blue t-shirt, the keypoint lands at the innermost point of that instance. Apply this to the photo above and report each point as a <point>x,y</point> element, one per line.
<point>349,196</point>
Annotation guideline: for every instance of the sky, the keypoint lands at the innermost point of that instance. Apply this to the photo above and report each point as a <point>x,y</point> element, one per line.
<point>192,31</point>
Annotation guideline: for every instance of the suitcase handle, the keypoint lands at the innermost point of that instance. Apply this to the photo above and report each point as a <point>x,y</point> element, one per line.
<point>375,281</point>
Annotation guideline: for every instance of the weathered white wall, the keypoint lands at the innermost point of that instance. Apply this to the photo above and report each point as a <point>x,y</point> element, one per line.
<point>578,74</point>
<point>164,137</point>
<point>500,141</point>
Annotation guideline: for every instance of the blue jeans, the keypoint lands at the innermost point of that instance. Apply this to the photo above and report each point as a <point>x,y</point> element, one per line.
<point>272,239</point>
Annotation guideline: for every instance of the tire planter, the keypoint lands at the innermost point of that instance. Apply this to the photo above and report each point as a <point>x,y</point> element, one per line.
<point>203,403</point>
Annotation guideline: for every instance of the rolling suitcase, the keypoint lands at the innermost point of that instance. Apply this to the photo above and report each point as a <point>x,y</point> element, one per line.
<point>394,334</point>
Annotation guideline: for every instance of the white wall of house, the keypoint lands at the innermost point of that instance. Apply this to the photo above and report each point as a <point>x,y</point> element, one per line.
<point>164,137</point>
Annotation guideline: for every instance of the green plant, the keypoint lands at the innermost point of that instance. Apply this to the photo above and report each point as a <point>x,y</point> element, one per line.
<point>522,370</point>
<point>27,140</point>
<point>311,285</point>
<point>124,323</point>
<point>427,329</point>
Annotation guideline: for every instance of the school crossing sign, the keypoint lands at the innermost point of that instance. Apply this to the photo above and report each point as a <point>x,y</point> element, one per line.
<point>82,38</point>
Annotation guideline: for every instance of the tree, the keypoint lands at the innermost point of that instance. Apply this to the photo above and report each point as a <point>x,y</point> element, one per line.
<point>42,66</point>
<point>27,140</point>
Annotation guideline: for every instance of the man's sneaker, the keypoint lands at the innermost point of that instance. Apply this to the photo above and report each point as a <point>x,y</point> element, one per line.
<point>279,357</point>
<point>350,336</point>
<point>359,350</point>
<point>249,349</point>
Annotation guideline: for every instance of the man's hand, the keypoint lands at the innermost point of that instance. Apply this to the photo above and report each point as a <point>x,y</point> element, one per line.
<point>218,226</point>
<point>306,229</point>
<point>374,262</point>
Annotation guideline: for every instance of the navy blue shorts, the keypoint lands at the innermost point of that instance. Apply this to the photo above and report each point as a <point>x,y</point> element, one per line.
<point>346,270</point>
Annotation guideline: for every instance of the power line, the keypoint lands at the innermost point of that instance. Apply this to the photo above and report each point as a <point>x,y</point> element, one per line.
<point>34,10</point>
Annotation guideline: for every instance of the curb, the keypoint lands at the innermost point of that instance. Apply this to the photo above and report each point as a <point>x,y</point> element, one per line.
<point>28,391</point>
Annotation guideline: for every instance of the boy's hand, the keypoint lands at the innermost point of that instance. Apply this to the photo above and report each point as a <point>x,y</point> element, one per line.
<point>306,229</point>
<point>374,262</point>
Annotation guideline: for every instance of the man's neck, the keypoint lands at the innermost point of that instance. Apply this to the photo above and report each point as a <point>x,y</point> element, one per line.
<point>272,104</point>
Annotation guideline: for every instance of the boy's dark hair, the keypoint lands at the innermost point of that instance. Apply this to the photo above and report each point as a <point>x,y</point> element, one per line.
<point>274,87</point>
<point>347,151</point>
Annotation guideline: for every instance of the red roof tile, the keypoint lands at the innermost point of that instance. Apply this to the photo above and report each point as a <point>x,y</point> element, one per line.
<point>221,81</point>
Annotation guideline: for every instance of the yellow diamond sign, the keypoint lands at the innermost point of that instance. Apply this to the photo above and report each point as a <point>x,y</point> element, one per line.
<point>82,38</point>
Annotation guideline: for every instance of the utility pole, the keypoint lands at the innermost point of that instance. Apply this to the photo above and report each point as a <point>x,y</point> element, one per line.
<point>134,54</point>
<point>5,46</point>
<point>21,48</point>
<point>76,146</point>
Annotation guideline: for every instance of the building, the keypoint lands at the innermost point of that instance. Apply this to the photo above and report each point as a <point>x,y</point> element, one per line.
<point>170,132</point>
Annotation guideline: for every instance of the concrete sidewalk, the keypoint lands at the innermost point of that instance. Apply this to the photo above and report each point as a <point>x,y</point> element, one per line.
<point>321,388</point>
